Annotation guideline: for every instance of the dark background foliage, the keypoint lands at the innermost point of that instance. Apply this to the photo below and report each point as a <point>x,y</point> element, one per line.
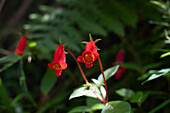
<point>136,26</point>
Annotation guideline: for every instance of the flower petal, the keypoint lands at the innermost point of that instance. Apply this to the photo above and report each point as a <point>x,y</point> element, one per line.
<point>120,56</point>
<point>80,59</point>
<point>21,46</point>
<point>64,65</point>
<point>50,65</point>
<point>90,46</point>
<point>88,65</point>
<point>58,72</point>
<point>96,55</point>
<point>59,55</point>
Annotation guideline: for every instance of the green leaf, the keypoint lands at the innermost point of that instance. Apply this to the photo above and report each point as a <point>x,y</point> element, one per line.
<point>8,61</point>
<point>139,98</point>
<point>98,106</point>
<point>117,107</point>
<point>32,44</point>
<point>157,74</point>
<point>159,4</point>
<point>108,73</point>
<point>80,109</point>
<point>125,93</point>
<point>165,54</point>
<point>88,91</point>
<point>48,81</point>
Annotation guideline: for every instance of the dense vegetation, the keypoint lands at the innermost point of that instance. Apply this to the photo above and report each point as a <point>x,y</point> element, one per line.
<point>140,27</point>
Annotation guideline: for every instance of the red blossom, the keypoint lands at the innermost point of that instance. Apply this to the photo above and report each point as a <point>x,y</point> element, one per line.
<point>121,70</point>
<point>59,61</point>
<point>21,46</point>
<point>89,55</point>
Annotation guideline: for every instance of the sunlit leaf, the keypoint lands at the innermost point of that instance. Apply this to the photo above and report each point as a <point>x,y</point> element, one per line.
<point>108,73</point>
<point>157,74</point>
<point>125,93</point>
<point>159,4</point>
<point>48,81</point>
<point>32,44</point>
<point>117,107</point>
<point>165,54</point>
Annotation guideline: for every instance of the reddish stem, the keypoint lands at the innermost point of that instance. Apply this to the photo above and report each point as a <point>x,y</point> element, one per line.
<point>81,70</point>
<point>99,98</point>
<point>105,84</point>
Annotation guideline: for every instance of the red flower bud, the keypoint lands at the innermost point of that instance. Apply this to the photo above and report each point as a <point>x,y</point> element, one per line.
<point>21,46</point>
<point>89,55</point>
<point>121,70</point>
<point>58,64</point>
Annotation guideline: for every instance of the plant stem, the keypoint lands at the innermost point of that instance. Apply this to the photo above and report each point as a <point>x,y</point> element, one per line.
<point>105,84</point>
<point>81,70</point>
<point>23,82</point>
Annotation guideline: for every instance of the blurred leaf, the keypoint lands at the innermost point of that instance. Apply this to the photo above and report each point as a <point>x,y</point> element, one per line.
<point>117,107</point>
<point>162,5</point>
<point>98,106</point>
<point>145,76</point>
<point>163,104</point>
<point>139,98</point>
<point>8,61</point>
<point>91,101</point>
<point>48,81</point>
<point>32,44</point>
<point>125,93</point>
<point>108,73</point>
<point>80,109</point>
<point>165,54</point>
<point>79,92</point>
<point>97,82</point>
<point>157,74</point>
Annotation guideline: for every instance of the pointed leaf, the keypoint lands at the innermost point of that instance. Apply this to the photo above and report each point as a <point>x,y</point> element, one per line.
<point>158,74</point>
<point>165,54</point>
<point>117,107</point>
<point>48,81</point>
<point>108,73</point>
<point>125,93</point>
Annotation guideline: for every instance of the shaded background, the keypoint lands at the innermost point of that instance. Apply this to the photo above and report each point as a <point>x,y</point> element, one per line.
<point>135,26</point>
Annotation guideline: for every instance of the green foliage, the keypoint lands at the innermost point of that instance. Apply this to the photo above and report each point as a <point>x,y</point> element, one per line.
<point>125,93</point>
<point>117,107</point>
<point>108,73</point>
<point>157,74</point>
<point>48,81</point>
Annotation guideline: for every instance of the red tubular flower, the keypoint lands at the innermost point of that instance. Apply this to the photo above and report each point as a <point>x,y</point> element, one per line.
<point>21,46</point>
<point>89,55</point>
<point>121,70</point>
<point>59,61</point>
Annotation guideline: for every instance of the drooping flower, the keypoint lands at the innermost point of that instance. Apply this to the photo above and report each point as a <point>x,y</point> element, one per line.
<point>121,70</point>
<point>58,64</point>
<point>89,55</point>
<point>21,46</point>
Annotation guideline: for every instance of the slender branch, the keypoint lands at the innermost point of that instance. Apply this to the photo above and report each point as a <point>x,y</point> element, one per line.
<point>102,100</point>
<point>105,84</point>
<point>81,70</point>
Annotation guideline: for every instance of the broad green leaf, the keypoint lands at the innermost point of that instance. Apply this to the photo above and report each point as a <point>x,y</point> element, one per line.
<point>108,73</point>
<point>117,107</point>
<point>80,109</point>
<point>139,98</point>
<point>157,74</point>
<point>165,54</point>
<point>98,106</point>
<point>48,81</point>
<point>125,93</point>
<point>79,92</point>
<point>89,91</point>
<point>92,101</point>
